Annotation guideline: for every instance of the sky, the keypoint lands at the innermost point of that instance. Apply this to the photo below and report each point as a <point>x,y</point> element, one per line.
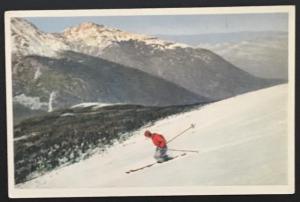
<point>173,24</point>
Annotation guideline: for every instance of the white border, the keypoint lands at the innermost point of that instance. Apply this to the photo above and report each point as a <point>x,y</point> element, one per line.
<point>291,97</point>
<point>150,11</point>
<point>207,190</point>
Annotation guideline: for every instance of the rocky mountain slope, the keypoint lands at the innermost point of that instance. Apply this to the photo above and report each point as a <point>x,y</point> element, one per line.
<point>77,78</point>
<point>27,39</point>
<point>199,70</point>
<point>87,38</point>
<point>94,63</point>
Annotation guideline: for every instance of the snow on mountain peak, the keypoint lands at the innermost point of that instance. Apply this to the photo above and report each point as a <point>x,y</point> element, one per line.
<point>27,39</point>
<point>88,38</point>
<point>86,27</point>
<point>23,24</point>
<point>93,30</point>
<point>101,36</point>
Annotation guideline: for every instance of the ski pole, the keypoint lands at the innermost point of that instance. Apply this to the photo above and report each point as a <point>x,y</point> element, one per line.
<point>191,126</point>
<point>183,150</point>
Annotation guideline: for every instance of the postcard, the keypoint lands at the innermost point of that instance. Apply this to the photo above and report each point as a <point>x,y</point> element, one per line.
<point>150,102</point>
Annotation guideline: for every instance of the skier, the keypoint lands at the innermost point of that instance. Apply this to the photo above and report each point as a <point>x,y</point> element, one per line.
<point>161,146</point>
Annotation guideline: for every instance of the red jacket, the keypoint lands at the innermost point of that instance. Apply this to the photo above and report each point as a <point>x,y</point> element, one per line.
<point>158,140</point>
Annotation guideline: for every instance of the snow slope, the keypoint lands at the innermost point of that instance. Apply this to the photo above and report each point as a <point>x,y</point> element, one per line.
<point>242,141</point>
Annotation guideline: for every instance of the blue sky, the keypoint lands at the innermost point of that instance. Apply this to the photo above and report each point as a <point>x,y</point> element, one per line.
<point>173,24</point>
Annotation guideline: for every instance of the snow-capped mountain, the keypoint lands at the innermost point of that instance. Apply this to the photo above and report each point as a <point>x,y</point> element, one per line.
<point>248,147</point>
<point>91,38</point>
<point>94,63</point>
<point>88,38</point>
<point>27,39</point>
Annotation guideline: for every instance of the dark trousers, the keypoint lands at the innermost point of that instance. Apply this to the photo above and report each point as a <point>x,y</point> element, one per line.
<point>161,153</point>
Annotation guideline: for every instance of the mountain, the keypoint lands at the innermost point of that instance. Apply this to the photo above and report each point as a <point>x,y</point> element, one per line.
<point>263,56</point>
<point>94,63</point>
<point>87,38</point>
<point>195,40</point>
<point>239,143</point>
<point>46,83</point>
<point>92,39</point>
<point>27,39</point>
<point>199,70</point>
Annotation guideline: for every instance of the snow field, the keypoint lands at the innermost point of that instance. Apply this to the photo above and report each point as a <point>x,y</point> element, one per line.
<point>241,141</point>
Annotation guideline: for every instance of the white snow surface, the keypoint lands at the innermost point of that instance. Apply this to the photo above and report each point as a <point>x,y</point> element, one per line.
<point>241,141</point>
<point>37,73</point>
<point>28,40</point>
<point>95,105</point>
<point>51,100</point>
<point>33,103</point>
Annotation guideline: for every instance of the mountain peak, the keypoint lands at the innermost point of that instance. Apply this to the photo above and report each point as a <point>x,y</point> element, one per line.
<point>22,23</point>
<point>83,27</point>
<point>89,25</point>
<point>87,37</point>
<point>89,28</point>
<point>100,36</point>
<point>27,39</point>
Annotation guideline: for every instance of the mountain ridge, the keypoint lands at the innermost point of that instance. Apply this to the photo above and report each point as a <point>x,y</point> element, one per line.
<point>77,78</point>
<point>199,74</point>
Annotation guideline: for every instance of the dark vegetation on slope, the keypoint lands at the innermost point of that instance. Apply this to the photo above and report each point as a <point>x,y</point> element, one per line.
<point>21,112</point>
<point>63,137</point>
<point>78,78</point>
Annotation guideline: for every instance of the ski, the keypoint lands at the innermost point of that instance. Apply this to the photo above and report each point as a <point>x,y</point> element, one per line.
<point>141,168</point>
<point>152,164</point>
